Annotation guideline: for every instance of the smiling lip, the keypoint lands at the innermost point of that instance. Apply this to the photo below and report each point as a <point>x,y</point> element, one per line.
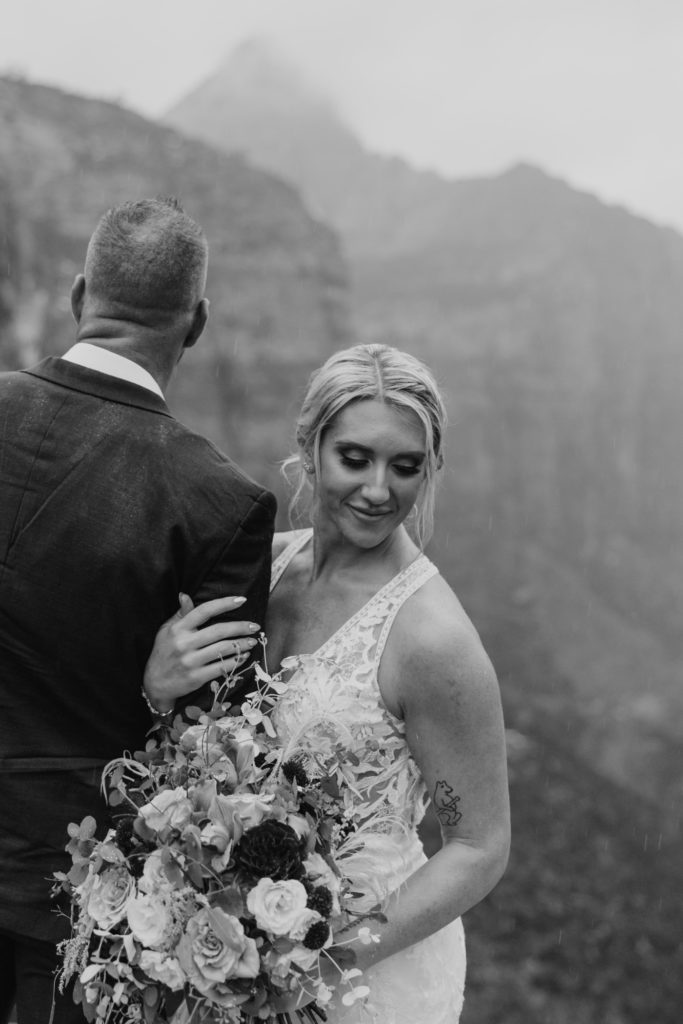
<point>368,513</point>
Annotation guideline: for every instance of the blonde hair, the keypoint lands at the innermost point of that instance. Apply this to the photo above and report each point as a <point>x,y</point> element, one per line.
<point>367,372</point>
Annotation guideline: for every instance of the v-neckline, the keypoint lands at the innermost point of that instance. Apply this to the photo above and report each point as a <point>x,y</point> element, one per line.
<point>293,549</point>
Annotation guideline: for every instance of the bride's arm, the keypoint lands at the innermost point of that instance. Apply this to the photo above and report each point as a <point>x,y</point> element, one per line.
<point>194,647</point>
<point>444,687</point>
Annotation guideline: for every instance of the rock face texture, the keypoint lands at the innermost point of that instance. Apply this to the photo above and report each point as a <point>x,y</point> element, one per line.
<point>277,282</point>
<point>554,323</point>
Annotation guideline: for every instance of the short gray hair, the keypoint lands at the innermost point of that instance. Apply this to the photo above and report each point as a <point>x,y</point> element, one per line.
<point>148,255</point>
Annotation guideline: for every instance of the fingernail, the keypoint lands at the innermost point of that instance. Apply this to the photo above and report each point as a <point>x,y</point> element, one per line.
<point>238,600</point>
<point>253,627</point>
<point>252,643</point>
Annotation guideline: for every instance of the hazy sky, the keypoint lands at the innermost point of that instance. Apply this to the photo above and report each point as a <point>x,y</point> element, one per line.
<point>590,90</point>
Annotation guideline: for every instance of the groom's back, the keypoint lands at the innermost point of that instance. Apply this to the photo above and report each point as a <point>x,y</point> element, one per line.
<point>109,508</point>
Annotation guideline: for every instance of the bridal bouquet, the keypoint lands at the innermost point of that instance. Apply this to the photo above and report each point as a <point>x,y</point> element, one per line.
<point>216,896</point>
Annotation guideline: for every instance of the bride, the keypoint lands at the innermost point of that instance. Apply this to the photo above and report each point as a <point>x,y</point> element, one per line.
<point>379,644</point>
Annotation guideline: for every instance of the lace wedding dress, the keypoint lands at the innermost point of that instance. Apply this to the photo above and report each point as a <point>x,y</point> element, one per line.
<point>333,699</point>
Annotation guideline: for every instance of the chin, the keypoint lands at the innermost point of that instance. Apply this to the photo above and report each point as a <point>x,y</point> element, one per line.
<point>368,535</point>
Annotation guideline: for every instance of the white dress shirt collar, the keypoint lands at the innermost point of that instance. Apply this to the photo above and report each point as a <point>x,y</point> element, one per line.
<point>96,358</point>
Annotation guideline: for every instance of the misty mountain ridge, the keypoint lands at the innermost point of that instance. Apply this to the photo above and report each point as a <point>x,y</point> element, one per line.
<point>276,277</point>
<point>583,929</point>
<point>262,102</point>
<point>553,321</point>
<point>259,101</point>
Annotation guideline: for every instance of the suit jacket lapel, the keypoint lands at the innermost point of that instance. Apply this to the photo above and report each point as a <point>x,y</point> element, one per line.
<point>99,385</point>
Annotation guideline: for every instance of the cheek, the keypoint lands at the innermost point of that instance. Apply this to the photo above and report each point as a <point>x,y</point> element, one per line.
<point>336,482</point>
<point>410,489</point>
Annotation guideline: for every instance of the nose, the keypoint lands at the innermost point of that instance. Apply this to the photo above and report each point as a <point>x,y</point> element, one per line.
<point>375,488</point>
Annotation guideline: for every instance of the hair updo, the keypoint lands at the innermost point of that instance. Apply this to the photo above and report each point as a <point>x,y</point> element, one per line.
<point>373,372</point>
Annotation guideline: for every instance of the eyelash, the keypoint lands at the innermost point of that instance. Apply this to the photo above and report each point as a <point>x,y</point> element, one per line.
<point>361,463</point>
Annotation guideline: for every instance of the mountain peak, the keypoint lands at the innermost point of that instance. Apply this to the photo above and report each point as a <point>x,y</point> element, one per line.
<point>260,61</point>
<point>259,103</point>
<point>259,78</point>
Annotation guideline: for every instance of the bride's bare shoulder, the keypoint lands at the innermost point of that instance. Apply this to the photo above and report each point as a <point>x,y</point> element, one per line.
<point>434,634</point>
<point>281,540</point>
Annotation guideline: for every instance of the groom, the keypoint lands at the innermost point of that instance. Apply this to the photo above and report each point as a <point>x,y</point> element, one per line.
<point>108,509</point>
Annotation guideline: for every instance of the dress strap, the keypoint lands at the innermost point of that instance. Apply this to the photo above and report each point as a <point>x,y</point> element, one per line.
<point>285,557</point>
<point>407,583</point>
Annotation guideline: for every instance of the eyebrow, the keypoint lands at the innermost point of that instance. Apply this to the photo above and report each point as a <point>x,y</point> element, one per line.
<point>417,455</point>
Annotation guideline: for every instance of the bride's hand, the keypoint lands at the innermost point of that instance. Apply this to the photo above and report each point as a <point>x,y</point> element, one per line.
<point>188,653</point>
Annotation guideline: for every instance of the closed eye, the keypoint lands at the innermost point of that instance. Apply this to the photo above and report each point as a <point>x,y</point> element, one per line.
<point>353,463</point>
<point>400,468</point>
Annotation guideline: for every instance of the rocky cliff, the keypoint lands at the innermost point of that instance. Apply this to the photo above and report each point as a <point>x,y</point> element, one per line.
<point>277,281</point>
<point>553,321</point>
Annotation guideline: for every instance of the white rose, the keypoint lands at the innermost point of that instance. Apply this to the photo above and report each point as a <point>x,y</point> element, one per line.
<point>108,896</point>
<point>163,968</point>
<point>192,737</point>
<point>248,808</point>
<point>154,877</point>
<point>149,919</point>
<point>214,949</point>
<point>169,809</point>
<point>215,834</point>
<point>279,907</point>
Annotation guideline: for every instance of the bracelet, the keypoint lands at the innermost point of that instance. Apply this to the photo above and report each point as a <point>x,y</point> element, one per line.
<point>155,711</point>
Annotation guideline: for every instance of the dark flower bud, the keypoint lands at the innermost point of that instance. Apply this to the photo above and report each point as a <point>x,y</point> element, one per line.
<point>320,899</point>
<point>293,769</point>
<point>270,850</point>
<point>136,865</point>
<point>125,836</point>
<point>317,935</point>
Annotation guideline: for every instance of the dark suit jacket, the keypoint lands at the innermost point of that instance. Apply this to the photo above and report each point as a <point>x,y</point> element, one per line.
<point>108,509</point>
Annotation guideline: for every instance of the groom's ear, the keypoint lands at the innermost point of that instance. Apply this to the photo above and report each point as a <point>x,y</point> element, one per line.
<point>77,297</point>
<point>199,322</point>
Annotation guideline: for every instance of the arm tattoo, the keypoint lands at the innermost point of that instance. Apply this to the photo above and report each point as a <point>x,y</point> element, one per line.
<point>446,804</point>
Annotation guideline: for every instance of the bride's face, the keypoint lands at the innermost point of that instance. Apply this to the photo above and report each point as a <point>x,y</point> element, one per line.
<point>372,465</point>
